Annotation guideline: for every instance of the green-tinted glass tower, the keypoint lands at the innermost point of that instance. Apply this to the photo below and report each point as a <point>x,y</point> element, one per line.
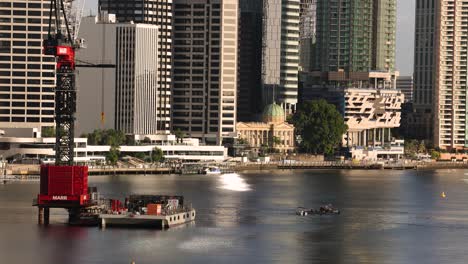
<point>355,35</point>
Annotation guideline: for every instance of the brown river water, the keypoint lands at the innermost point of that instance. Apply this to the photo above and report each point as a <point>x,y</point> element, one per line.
<point>386,217</point>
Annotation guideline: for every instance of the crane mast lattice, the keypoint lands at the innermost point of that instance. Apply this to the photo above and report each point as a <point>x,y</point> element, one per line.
<point>61,45</point>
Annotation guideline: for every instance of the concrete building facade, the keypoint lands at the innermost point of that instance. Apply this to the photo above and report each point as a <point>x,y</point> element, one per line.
<point>371,114</point>
<point>451,78</point>
<point>205,69</point>
<point>159,13</point>
<point>124,98</point>
<point>136,79</point>
<point>272,132</point>
<point>27,78</point>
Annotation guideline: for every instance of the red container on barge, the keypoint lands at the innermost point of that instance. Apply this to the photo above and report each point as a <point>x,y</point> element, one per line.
<point>63,185</point>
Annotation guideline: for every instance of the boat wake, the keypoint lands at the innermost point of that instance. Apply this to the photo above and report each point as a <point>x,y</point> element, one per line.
<point>234,182</point>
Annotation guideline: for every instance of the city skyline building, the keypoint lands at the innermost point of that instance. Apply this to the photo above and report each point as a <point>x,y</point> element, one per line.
<point>421,119</point>
<point>353,38</point>
<point>127,99</point>
<point>205,69</point>
<point>450,75</point>
<point>160,13</point>
<point>268,56</point>
<point>280,54</point>
<point>405,85</point>
<point>307,34</point>
<point>27,78</point>
<point>249,83</point>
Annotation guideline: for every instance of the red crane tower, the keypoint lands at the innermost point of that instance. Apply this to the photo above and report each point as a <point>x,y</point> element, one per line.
<point>63,185</point>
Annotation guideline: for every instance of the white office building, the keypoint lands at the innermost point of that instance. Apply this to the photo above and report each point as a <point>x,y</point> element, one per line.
<point>159,13</point>
<point>125,97</point>
<point>43,149</point>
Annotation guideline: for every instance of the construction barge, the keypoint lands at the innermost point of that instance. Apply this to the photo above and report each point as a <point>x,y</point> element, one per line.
<point>151,211</point>
<point>67,187</point>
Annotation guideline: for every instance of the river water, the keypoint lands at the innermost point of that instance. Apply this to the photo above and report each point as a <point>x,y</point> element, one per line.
<point>387,217</point>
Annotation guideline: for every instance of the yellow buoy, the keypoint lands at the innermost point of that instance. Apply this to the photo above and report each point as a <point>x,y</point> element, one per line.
<point>443,195</point>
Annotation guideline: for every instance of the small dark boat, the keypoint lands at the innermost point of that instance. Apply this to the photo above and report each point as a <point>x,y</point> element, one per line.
<point>323,210</point>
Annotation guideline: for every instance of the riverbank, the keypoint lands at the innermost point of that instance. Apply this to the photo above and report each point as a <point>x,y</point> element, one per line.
<point>19,170</point>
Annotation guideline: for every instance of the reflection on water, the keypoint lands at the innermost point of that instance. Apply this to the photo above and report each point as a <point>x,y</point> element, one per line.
<point>234,182</point>
<point>387,217</point>
<point>206,244</point>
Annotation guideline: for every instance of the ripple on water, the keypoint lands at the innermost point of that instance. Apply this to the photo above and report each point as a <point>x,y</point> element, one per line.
<point>206,244</point>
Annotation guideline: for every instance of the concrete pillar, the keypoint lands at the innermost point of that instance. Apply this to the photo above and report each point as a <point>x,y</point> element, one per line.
<point>382,138</point>
<point>46,216</point>
<point>365,138</point>
<point>373,137</point>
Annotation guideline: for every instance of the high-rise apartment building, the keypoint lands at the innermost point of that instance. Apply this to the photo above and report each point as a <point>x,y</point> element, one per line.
<point>205,68</point>
<point>26,75</point>
<point>249,84</point>
<point>125,97</point>
<point>450,74</point>
<point>355,36</point>
<point>280,59</point>
<point>307,32</point>
<point>160,13</point>
<point>405,85</point>
<point>268,55</point>
<point>421,119</point>
<point>384,35</point>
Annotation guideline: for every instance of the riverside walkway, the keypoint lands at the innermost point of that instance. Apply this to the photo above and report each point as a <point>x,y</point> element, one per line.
<point>18,171</point>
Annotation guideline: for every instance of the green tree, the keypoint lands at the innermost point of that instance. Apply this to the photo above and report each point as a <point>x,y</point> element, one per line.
<point>264,150</point>
<point>139,155</point>
<point>48,131</point>
<point>179,135</point>
<point>130,141</point>
<point>320,126</point>
<point>113,155</point>
<point>95,137</point>
<point>435,154</point>
<point>411,148</point>
<point>422,147</point>
<point>109,137</point>
<point>242,141</point>
<point>276,141</point>
<point>157,155</point>
<point>147,140</point>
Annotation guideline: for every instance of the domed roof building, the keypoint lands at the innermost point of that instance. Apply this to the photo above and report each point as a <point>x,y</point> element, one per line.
<point>273,113</point>
<point>272,132</point>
